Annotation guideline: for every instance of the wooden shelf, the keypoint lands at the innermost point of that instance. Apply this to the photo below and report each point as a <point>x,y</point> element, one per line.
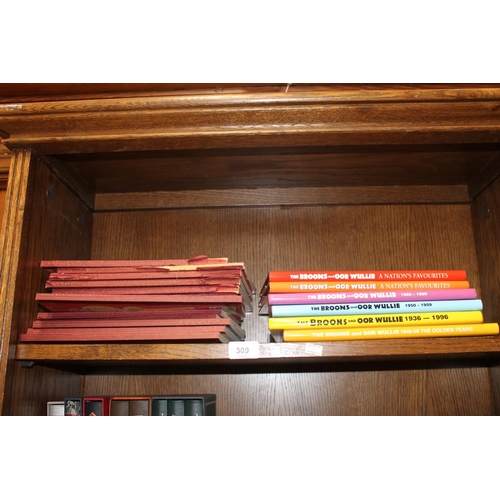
<point>330,351</point>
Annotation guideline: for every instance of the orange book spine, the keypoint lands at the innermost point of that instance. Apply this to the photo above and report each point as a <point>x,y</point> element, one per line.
<point>373,275</point>
<point>337,286</point>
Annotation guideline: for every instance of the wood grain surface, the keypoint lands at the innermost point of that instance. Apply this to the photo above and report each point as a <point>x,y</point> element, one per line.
<point>486,213</point>
<point>11,236</point>
<point>430,167</point>
<point>49,221</point>
<point>26,92</point>
<point>413,391</point>
<point>2,203</point>
<point>258,119</point>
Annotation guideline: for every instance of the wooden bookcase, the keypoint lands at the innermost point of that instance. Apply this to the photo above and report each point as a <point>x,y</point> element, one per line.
<point>317,177</point>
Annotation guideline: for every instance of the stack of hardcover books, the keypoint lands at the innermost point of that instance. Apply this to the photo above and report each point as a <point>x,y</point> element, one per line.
<point>184,300</point>
<point>305,306</point>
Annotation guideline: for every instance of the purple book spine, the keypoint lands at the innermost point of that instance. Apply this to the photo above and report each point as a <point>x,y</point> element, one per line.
<point>345,297</point>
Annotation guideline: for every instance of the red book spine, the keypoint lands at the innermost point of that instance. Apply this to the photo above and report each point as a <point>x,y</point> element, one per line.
<point>131,274</point>
<point>177,313</point>
<point>116,323</point>
<point>201,260</point>
<point>156,290</point>
<point>68,298</point>
<point>61,283</point>
<point>197,334</point>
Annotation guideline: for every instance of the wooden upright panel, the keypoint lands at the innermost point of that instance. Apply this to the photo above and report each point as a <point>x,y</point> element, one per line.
<point>45,220</point>
<point>2,203</point>
<point>14,230</point>
<point>486,212</point>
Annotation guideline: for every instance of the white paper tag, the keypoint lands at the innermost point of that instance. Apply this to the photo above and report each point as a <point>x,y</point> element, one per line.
<point>243,350</point>
<point>317,350</point>
<point>275,350</point>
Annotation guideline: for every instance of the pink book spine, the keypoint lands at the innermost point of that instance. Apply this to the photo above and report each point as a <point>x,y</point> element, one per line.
<point>345,297</point>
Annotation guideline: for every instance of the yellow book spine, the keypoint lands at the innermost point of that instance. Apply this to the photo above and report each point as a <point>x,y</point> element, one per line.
<point>403,332</point>
<point>339,286</point>
<point>375,320</point>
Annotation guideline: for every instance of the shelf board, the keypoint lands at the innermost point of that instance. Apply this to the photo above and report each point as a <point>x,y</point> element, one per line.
<point>332,352</point>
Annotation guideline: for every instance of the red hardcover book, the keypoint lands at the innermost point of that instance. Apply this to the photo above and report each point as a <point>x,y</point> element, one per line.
<point>54,302</point>
<point>153,290</point>
<point>170,334</point>
<point>137,283</point>
<point>133,274</point>
<point>124,325</point>
<point>151,269</point>
<point>150,314</point>
<point>67,267</point>
<point>135,319</point>
<point>235,312</point>
<point>130,322</point>
<point>199,260</point>
<point>110,270</point>
<point>96,406</point>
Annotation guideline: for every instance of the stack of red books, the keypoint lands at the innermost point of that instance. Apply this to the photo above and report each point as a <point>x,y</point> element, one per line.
<point>190,300</point>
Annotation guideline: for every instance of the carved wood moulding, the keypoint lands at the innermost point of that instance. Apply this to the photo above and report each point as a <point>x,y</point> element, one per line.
<point>332,117</point>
